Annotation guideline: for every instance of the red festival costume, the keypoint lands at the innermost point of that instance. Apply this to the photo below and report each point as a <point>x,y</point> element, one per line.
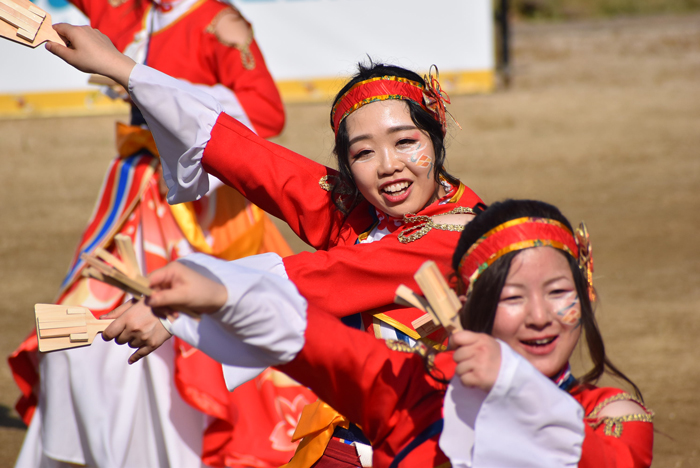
<point>250,426</point>
<point>398,404</point>
<point>361,276</point>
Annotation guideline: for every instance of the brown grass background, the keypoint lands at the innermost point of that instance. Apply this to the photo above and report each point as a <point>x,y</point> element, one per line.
<point>602,119</point>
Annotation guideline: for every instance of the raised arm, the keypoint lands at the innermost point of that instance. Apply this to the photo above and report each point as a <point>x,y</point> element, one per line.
<point>183,119</point>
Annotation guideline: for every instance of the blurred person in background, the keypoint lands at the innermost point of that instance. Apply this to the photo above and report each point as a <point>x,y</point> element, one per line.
<point>87,406</point>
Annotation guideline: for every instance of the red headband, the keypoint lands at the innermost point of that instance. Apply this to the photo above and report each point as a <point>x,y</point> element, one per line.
<point>430,97</point>
<point>516,234</point>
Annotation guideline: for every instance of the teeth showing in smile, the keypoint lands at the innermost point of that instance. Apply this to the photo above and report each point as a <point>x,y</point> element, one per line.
<point>394,188</point>
<point>542,342</point>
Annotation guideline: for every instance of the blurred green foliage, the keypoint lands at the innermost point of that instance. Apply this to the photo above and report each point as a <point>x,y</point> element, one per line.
<point>571,9</point>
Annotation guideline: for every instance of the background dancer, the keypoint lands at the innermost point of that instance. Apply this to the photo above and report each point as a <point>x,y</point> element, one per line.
<point>168,398</point>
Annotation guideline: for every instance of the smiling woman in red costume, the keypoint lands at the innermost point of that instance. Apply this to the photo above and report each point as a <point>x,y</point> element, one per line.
<point>372,221</point>
<point>504,397</point>
<point>177,390</point>
<point>528,279</point>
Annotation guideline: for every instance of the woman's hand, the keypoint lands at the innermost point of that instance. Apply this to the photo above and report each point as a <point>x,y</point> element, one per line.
<point>134,324</point>
<point>177,287</point>
<point>478,358</point>
<point>90,51</point>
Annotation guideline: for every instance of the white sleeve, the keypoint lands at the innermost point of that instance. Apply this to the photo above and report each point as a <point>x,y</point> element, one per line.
<point>232,106</point>
<point>262,323</point>
<point>524,421</point>
<point>180,116</point>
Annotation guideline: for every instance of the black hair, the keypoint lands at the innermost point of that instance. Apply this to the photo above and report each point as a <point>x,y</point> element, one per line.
<point>479,312</point>
<point>423,119</point>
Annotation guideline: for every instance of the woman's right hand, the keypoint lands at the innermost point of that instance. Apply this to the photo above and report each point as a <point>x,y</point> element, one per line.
<point>478,358</point>
<point>179,288</point>
<point>90,51</point>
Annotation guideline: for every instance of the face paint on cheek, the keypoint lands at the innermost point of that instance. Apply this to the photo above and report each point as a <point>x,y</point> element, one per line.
<point>571,314</point>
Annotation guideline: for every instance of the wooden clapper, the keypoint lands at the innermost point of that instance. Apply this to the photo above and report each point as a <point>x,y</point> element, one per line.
<point>440,304</point>
<point>24,22</point>
<point>64,327</point>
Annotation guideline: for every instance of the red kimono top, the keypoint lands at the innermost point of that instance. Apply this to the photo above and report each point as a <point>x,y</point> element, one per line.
<point>190,50</point>
<point>399,405</point>
<point>342,277</point>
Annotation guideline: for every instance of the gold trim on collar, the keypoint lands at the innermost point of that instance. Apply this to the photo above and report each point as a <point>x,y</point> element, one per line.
<point>424,224</point>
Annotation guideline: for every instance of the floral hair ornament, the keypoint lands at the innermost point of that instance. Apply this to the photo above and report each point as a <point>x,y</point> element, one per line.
<point>585,257</point>
<point>524,233</point>
<point>434,99</point>
<point>382,88</point>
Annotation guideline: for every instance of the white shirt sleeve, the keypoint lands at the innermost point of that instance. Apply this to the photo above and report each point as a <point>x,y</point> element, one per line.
<point>180,115</point>
<point>262,323</point>
<point>524,421</point>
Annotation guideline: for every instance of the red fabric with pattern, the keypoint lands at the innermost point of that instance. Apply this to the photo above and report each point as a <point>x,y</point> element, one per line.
<point>286,185</point>
<point>389,394</point>
<point>200,57</point>
<point>632,449</point>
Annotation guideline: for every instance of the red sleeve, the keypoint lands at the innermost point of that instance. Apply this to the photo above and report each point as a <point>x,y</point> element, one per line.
<point>363,277</point>
<point>387,393</point>
<point>254,87</point>
<point>281,182</point>
<point>632,449</point>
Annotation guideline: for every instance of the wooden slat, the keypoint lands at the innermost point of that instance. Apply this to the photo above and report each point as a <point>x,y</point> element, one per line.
<point>66,331</point>
<point>21,13</point>
<point>442,299</point>
<point>79,337</point>
<point>112,260</point>
<point>128,255</point>
<point>405,296</point>
<point>70,322</point>
<point>26,22</point>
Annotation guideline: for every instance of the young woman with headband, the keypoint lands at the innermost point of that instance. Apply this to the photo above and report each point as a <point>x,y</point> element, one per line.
<point>530,296</point>
<point>372,222</point>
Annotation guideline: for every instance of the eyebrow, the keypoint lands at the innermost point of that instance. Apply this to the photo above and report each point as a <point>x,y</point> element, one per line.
<point>398,128</point>
<point>546,283</point>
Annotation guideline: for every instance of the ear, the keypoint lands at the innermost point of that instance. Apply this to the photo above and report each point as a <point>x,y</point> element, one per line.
<point>462,299</point>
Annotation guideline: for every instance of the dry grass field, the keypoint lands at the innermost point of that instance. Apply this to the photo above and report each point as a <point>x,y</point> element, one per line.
<point>603,120</point>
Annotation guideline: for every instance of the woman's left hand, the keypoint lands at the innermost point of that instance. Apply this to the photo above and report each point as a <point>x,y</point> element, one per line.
<point>134,324</point>
<point>478,358</point>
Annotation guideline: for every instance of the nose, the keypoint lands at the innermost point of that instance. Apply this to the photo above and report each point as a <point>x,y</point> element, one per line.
<point>389,163</point>
<point>539,315</point>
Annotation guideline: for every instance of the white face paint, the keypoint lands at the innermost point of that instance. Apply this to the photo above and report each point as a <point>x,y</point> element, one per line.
<point>391,159</point>
<point>539,311</point>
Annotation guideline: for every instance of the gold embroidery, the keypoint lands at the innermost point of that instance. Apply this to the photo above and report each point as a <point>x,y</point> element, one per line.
<point>328,183</point>
<point>613,424</point>
<point>425,224</point>
<point>398,345</point>
<point>247,58</point>
<point>116,3</point>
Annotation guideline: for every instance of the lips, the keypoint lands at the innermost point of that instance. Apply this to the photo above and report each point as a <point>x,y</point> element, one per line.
<point>396,191</point>
<point>540,345</point>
